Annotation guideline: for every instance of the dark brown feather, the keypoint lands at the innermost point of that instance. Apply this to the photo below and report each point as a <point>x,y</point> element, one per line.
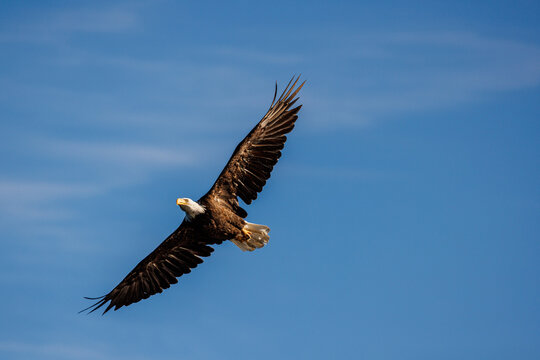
<point>176,256</point>
<point>254,158</point>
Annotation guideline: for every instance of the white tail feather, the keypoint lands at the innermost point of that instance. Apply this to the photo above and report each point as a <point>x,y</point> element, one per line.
<point>257,237</point>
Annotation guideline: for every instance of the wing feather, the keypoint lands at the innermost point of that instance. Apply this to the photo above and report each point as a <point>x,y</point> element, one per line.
<point>177,255</point>
<point>252,161</point>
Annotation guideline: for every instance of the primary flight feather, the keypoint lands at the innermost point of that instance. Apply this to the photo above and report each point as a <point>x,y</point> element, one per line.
<point>217,216</point>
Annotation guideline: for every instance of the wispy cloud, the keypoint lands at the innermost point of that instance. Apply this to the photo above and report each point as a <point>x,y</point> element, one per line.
<point>87,169</point>
<point>39,200</point>
<point>259,56</point>
<point>60,24</point>
<point>91,20</point>
<point>58,351</point>
<point>414,72</point>
<point>120,154</point>
<point>355,78</point>
<point>61,351</point>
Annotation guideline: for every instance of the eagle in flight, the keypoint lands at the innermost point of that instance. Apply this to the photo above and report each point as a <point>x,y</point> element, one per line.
<point>217,216</point>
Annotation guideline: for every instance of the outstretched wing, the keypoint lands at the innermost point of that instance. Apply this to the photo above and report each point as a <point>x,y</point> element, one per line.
<point>254,158</point>
<point>176,256</point>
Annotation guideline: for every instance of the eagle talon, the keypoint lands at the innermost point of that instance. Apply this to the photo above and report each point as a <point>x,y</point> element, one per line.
<point>247,234</point>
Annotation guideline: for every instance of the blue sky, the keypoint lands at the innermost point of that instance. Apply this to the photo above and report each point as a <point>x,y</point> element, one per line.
<point>405,212</point>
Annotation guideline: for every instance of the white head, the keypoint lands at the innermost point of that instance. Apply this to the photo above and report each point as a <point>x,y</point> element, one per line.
<point>192,208</point>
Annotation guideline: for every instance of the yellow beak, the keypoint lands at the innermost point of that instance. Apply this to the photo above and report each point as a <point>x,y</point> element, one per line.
<point>180,201</point>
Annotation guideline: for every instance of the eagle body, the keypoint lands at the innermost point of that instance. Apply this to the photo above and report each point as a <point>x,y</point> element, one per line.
<point>218,222</point>
<point>217,216</point>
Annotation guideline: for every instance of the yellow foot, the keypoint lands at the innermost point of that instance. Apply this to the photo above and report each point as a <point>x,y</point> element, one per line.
<point>247,234</point>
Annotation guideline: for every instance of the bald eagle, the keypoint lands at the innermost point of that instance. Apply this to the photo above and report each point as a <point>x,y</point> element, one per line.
<point>217,216</point>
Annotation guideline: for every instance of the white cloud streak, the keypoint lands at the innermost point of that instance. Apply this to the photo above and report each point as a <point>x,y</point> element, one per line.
<point>37,200</point>
<point>120,154</point>
<point>58,25</point>
<point>265,57</point>
<point>57,351</point>
<point>415,72</point>
<point>102,166</point>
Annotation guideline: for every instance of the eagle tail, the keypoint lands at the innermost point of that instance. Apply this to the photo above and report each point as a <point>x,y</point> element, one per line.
<point>255,236</point>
